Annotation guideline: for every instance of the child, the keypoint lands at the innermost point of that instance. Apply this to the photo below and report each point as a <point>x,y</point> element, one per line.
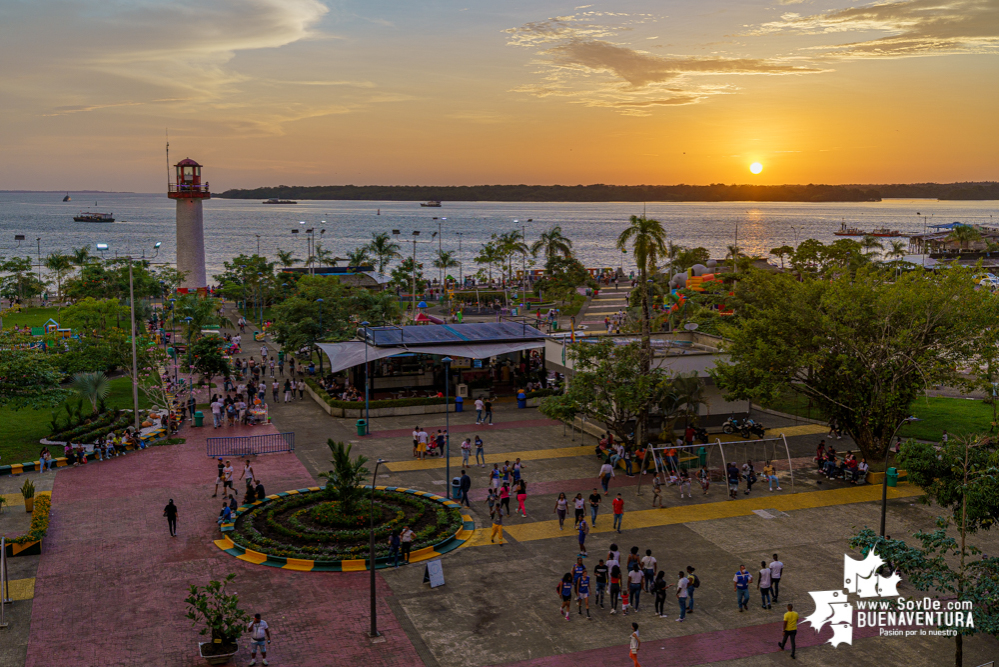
<point>704,478</point>
<point>657,491</point>
<point>624,600</point>
<point>684,483</point>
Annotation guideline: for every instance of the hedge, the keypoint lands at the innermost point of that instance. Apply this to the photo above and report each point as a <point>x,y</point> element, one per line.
<point>389,403</point>
<point>541,393</point>
<point>39,521</point>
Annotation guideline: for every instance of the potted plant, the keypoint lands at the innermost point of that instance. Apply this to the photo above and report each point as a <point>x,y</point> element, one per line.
<point>28,491</point>
<point>224,621</point>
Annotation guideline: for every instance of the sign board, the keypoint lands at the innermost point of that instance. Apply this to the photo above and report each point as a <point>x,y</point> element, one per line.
<point>433,574</point>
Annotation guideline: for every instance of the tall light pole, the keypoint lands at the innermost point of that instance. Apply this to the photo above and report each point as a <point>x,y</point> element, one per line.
<point>884,482</point>
<point>447,425</point>
<point>319,301</point>
<point>258,245</point>
<point>371,550</point>
<point>461,266</point>
<point>367,383</point>
<point>440,249</point>
<point>135,363</point>
<point>416,233</point>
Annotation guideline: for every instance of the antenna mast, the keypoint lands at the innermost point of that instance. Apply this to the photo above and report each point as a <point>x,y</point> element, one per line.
<point>168,157</point>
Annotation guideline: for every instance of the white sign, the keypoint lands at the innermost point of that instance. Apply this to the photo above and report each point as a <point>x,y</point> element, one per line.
<point>434,574</point>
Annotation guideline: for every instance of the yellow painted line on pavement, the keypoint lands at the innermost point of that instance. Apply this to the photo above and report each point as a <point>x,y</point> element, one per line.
<point>13,499</point>
<point>531,455</point>
<point>21,589</point>
<point>650,518</point>
<point>805,429</point>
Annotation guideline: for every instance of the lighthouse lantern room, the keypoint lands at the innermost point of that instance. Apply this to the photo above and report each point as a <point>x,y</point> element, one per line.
<point>188,183</point>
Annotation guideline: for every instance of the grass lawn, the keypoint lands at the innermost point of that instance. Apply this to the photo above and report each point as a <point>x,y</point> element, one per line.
<point>21,430</point>
<point>958,416</point>
<point>793,403</point>
<point>32,317</point>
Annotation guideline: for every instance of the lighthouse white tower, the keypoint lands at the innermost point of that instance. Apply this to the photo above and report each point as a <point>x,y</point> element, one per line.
<point>188,190</point>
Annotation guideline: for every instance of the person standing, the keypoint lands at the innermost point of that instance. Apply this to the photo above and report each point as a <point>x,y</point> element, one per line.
<point>578,505</point>
<point>583,529</point>
<point>649,567</point>
<point>682,584</point>
<point>740,583</point>
<point>764,584</point>
<point>301,389</point>
<point>394,545</point>
<point>260,637</point>
<point>478,410</point>
<point>790,628</point>
<point>776,572</point>
<point>521,497</point>
<point>192,406</point>
<point>289,393</point>
<point>480,454</point>
<point>561,505</point>
<point>505,497</point>
<point>659,587</point>
<point>600,572</point>
<point>466,450</point>
<point>497,517</point>
<point>635,579</point>
<point>694,584</point>
<point>594,507</point>
<point>170,512</point>
<point>583,594</point>
<point>615,586</point>
<point>464,487</point>
<point>733,480</point>
<point>406,542</point>
<point>220,479</point>
<point>216,413</point>
<point>657,492</point>
<point>605,474</point>
<point>618,505</point>
<point>488,405</point>
<point>683,483</point>
<point>636,643</point>
<point>275,386</point>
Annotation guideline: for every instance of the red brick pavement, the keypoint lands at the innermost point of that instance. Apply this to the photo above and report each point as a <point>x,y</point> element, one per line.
<point>465,428</point>
<point>111,582</point>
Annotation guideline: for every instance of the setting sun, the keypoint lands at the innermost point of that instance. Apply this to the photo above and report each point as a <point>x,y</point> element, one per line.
<point>756,167</point>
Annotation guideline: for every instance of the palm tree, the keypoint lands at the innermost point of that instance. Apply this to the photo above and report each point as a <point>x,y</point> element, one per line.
<point>510,244</point>
<point>898,250</point>
<point>732,252</point>
<point>286,258</point>
<point>445,260</point>
<point>489,255</point>
<point>60,265</point>
<point>384,249</point>
<point>964,234</point>
<point>552,243</point>
<point>324,256</point>
<point>202,311</point>
<point>94,386</point>
<point>871,245</point>
<point>81,256</point>
<point>359,257</point>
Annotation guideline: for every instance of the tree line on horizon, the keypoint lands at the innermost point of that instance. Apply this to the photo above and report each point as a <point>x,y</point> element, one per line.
<point>628,193</point>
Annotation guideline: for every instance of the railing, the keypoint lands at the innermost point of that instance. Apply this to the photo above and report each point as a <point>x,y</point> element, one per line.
<point>188,188</point>
<point>4,582</point>
<point>252,444</point>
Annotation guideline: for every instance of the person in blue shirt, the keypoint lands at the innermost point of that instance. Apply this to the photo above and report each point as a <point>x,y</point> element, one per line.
<point>583,530</point>
<point>577,571</point>
<point>583,589</point>
<point>564,589</point>
<point>741,583</point>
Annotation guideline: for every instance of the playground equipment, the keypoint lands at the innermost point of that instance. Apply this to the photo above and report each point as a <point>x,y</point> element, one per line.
<point>715,456</point>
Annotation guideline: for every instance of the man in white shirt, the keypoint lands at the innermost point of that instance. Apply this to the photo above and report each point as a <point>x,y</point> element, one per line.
<point>776,571</point>
<point>649,565</point>
<point>217,412</point>
<point>479,405</point>
<point>681,595</point>
<point>605,474</point>
<point>635,579</point>
<point>260,637</point>
<point>764,583</point>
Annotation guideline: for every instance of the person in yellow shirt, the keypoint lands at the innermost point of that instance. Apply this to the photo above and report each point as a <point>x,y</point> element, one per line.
<point>790,628</point>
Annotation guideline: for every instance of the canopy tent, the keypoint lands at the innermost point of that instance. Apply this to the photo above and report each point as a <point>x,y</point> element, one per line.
<point>351,353</point>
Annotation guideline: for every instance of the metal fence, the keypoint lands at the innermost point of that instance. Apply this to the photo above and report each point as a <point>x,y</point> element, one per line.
<point>252,444</point>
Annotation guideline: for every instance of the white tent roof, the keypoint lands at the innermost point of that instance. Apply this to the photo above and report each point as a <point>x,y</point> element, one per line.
<point>352,353</point>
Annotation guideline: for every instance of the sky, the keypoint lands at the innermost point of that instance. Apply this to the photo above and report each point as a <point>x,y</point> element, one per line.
<point>464,92</point>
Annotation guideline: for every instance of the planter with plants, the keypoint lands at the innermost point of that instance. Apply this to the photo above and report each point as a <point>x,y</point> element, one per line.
<point>28,491</point>
<point>218,610</point>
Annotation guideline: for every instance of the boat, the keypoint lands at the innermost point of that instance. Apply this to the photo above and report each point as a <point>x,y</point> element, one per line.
<point>87,216</point>
<point>849,231</point>
<point>67,197</point>
<point>279,201</point>
<point>884,232</point>
<point>433,203</point>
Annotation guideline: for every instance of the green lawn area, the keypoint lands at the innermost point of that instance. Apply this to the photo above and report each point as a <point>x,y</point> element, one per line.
<point>794,403</point>
<point>958,416</point>
<point>32,317</point>
<point>21,430</point>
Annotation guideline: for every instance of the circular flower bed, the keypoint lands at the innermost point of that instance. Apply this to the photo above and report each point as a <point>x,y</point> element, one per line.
<point>308,525</point>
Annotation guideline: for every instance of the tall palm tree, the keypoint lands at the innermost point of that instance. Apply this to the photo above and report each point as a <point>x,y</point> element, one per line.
<point>94,386</point>
<point>286,258</point>
<point>871,245</point>
<point>324,257</point>
<point>384,249</point>
<point>489,256</point>
<point>81,256</point>
<point>964,234</point>
<point>445,260</point>
<point>60,265</point>
<point>733,252</point>
<point>359,256</point>
<point>897,251</point>
<point>552,243</point>
<point>511,243</point>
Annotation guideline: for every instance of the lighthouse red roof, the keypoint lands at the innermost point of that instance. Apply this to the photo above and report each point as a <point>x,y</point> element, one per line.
<point>188,162</point>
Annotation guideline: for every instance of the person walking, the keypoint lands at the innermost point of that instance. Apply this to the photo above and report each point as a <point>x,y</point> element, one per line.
<point>740,583</point>
<point>301,390</point>
<point>561,507</point>
<point>479,405</point>
<point>480,454</point>
<point>657,491</point>
<point>260,637</point>
<point>790,628</point>
<point>605,474</point>
<point>406,542</point>
<point>682,584</point>
<point>578,505</point>
<point>694,584</point>
<point>170,512</point>
<point>497,517</point>
<point>466,451</point>
<point>464,487</point>
<point>220,479</point>
<point>618,505</point>
<point>683,483</point>
<point>649,567</point>
<point>488,405</point>
<point>564,591</point>
<point>505,497</point>
<point>600,572</point>
<point>521,497</point>
<point>659,587</point>
<point>704,477</point>
<point>776,572</point>
<point>634,645</point>
<point>584,530</point>
<point>289,393</point>
<point>763,584</point>
<point>615,586</point>
<point>594,507</point>
<point>635,579</point>
<point>275,387</point>
<point>733,480</point>
<point>583,594</point>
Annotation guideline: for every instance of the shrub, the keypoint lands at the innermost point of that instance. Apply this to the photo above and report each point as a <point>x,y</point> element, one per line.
<point>39,521</point>
<point>219,611</point>
<point>357,405</point>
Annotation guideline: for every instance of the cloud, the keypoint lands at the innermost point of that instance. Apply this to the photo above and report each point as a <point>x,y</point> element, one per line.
<point>578,61</point>
<point>911,28</point>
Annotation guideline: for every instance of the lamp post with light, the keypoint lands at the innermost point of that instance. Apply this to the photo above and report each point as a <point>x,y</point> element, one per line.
<point>371,549</point>
<point>447,425</point>
<point>367,383</point>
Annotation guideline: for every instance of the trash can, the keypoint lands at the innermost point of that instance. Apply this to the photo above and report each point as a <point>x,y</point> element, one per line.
<point>892,476</point>
<point>456,488</point>
<point>459,404</point>
<point>521,400</point>
<point>702,456</point>
<point>199,418</point>
<point>362,427</point>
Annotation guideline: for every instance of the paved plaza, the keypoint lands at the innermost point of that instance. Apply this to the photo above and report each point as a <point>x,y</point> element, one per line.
<point>109,586</point>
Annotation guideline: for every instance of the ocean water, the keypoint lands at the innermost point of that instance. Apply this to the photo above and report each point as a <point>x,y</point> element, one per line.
<point>233,226</point>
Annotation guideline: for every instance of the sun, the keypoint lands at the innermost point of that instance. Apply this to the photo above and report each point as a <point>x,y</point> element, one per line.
<point>756,167</point>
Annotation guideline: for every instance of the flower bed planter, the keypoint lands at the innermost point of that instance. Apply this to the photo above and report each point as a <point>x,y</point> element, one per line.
<point>216,658</point>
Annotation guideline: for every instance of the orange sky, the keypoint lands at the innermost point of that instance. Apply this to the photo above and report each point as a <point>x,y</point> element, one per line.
<point>267,92</point>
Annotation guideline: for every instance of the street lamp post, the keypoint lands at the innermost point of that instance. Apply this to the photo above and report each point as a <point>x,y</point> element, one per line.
<point>135,363</point>
<point>258,245</point>
<point>461,267</point>
<point>447,425</point>
<point>367,383</point>
<point>884,482</point>
<point>320,301</point>
<point>371,550</point>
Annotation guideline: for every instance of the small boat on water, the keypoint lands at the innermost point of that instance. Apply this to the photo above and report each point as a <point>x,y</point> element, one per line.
<point>279,201</point>
<point>884,232</point>
<point>849,231</point>
<point>87,216</point>
<point>67,197</point>
<point>433,203</point>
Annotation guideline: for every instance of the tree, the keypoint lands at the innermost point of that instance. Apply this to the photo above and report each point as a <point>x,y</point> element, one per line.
<point>325,257</point>
<point>682,397</point>
<point>20,282</point>
<point>863,346</point>
<point>219,610</point>
<point>359,257</point>
<point>60,265</point>
<point>964,234</point>
<point>208,359</point>
<point>94,386</point>
<point>81,256</point>
<point>403,275</point>
<point>897,250</point>
<point>28,378</point>
<point>445,260</point>
<point>685,258</point>
<point>608,385</point>
<point>782,252</point>
<point>109,279</point>
<point>384,249</point>
<point>344,482</point>
<point>196,312</point>
<point>871,245</point>
<point>92,314</point>
<point>509,244</point>
<point>286,258</point>
<point>489,256</point>
<point>552,243</point>
<point>562,276</point>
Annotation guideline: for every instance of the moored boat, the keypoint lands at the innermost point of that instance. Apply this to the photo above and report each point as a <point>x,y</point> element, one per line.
<point>433,203</point>
<point>849,231</point>
<point>87,216</point>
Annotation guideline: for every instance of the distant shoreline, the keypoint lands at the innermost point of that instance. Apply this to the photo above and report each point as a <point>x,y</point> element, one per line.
<point>977,191</point>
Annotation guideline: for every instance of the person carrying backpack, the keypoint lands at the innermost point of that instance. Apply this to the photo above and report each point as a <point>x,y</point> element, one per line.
<point>694,584</point>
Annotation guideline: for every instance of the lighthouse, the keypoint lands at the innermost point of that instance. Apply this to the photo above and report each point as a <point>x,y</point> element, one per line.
<point>188,190</point>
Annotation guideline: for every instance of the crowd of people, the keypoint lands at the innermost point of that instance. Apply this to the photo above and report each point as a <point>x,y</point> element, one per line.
<point>848,469</point>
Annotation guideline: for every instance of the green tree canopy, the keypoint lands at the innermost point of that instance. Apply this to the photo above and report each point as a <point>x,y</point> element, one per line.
<point>28,378</point>
<point>384,249</point>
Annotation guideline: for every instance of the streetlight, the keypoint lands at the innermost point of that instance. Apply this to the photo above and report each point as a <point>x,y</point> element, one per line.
<point>258,245</point>
<point>367,414</point>
<point>135,365</point>
<point>884,482</point>
<point>447,426</point>
<point>320,334</point>
<point>371,550</point>
<point>461,274</point>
